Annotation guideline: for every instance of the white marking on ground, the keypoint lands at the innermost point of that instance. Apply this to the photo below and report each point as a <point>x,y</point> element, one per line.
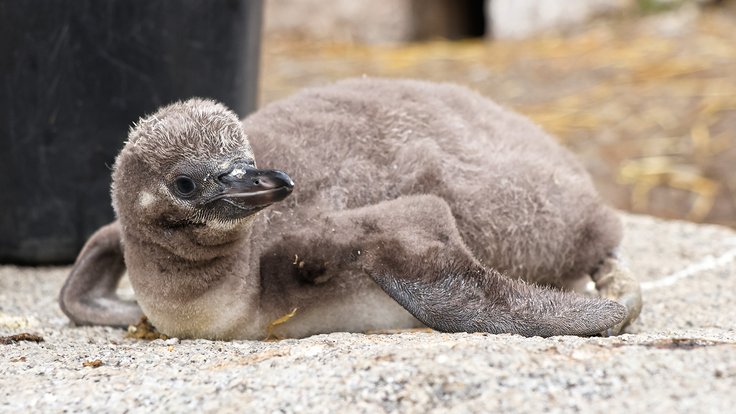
<point>709,262</point>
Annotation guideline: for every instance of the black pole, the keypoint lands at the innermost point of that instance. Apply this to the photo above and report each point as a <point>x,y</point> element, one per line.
<point>75,74</point>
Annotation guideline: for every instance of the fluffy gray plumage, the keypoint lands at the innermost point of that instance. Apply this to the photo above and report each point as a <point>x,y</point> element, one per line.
<point>408,193</point>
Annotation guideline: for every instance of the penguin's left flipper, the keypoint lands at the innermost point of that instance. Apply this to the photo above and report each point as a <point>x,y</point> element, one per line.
<point>412,249</point>
<point>448,292</point>
<point>88,296</point>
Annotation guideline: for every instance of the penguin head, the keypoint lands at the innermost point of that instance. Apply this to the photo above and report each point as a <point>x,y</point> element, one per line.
<point>187,174</point>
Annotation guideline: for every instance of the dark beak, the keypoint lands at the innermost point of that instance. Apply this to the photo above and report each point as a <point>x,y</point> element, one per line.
<point>250,187</point>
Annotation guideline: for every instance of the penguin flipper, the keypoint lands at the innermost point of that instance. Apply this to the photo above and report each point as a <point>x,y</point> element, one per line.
<point>462,296</point>
<point>418,258</point>
<point>88,296</point>
<point>412,249</point>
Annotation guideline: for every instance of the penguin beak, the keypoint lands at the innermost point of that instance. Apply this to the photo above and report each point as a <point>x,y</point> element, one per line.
<point>251,187</point>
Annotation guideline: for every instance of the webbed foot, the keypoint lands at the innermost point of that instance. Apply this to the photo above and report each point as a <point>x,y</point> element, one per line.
<point>614,281</point>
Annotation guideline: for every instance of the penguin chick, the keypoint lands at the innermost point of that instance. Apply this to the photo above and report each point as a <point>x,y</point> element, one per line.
<point>416,204</point>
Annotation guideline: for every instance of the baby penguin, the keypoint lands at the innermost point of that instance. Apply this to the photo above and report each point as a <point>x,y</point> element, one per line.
<point>415,204</point>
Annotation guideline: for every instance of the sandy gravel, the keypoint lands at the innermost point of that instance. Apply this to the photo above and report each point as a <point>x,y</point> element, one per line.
<point>680,356</point>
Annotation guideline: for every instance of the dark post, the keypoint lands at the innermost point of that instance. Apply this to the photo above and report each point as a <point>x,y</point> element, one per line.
<point>75,74</point>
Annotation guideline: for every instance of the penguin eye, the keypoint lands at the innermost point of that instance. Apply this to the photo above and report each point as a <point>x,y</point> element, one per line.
<point>185,186</point>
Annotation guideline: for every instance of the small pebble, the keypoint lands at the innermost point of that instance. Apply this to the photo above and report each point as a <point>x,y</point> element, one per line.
<point>172,341</point>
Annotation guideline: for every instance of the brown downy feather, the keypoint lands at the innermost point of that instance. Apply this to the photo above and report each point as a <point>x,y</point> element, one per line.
<point>448,202</point>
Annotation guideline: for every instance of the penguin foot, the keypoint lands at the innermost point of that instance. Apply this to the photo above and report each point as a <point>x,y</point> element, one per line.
<point>614,281</point>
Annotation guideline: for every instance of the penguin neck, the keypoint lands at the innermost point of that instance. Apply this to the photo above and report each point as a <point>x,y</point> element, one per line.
<point>188,295</point>
<point>183,265</point>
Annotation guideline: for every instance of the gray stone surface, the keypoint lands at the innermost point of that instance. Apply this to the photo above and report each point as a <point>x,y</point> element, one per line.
<point>518,19</point>
<point>680,356</point>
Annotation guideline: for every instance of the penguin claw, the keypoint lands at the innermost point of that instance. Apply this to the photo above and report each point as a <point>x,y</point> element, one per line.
<point>614,281</point>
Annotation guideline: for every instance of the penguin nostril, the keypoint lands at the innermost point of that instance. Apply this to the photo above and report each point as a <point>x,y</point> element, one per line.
<point>224,178</point>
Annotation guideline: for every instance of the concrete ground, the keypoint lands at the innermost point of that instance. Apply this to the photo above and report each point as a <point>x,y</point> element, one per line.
<point>680,356</point>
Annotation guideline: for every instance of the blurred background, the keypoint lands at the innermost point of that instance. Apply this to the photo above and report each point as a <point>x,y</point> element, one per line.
<point>643,91</point>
